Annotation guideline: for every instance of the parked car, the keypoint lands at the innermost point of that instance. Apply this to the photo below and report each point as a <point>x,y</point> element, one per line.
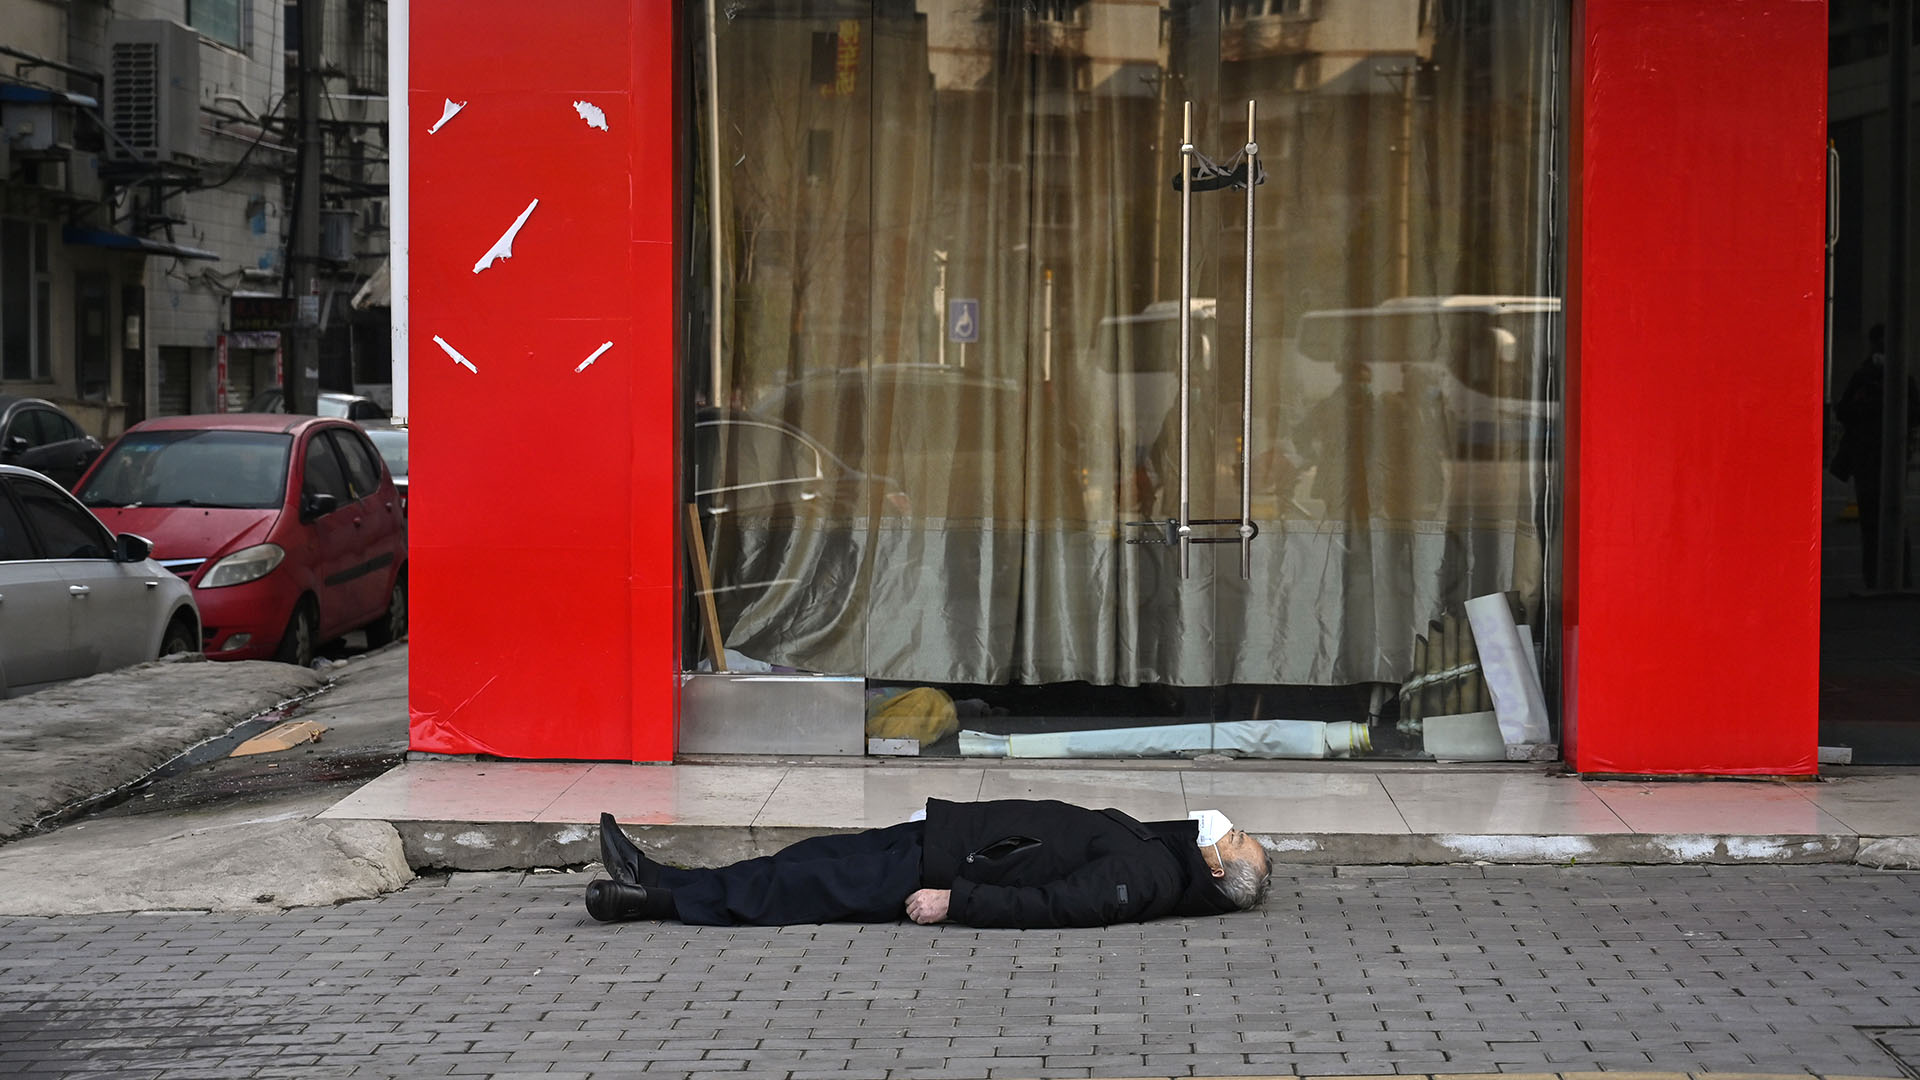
<point>392,443</point>
<point>288,528</point>
<point>35,434</point>
<point>75,600</point>
<point>330,403</point>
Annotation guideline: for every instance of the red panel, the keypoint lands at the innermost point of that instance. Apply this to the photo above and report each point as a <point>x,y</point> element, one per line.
<point>657,562</point>
<point>1691,597</point>
<point>533,468</point>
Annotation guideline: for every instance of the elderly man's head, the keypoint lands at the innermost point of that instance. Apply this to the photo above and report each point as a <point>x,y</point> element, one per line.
<point>1240,867</point>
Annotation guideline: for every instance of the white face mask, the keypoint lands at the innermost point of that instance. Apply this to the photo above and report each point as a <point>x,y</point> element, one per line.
<point>1213,826</point>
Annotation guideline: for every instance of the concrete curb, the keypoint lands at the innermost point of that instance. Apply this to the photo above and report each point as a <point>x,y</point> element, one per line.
<point>524,845</point>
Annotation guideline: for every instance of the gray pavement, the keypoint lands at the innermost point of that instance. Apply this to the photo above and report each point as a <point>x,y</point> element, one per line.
<point>1705,969</point>
<point>226,834</point>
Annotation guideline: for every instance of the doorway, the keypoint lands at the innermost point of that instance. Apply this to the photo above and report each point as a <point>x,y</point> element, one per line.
<point>996,416</point>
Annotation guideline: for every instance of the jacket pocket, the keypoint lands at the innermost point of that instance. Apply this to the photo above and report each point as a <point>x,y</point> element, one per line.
<point>1000,849</point>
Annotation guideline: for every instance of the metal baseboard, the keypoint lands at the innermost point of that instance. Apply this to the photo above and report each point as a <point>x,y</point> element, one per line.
<point>772,714</point>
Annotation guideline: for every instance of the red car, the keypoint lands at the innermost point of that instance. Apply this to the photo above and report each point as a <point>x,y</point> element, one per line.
<point>288,527</point>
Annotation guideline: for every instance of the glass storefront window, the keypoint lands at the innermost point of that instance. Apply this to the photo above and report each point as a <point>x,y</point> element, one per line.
<point>938,392</point>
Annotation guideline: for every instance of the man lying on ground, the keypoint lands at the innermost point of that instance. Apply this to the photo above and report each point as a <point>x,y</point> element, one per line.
<point>1007,863</point>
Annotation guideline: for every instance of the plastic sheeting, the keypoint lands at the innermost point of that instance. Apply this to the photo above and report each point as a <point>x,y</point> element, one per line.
<point>1242,738</point>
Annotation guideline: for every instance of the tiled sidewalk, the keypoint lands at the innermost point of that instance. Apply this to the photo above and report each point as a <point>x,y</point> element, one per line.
<point>1321,813</point>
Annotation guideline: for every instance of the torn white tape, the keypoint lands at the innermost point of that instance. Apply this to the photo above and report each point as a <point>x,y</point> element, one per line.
<point>503,247</point>
<point>446,114</point>
<point>591,359</point>
<point>591,114</point>
<point>455,353</point>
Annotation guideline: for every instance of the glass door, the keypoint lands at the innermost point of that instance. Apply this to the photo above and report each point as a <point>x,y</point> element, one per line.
<point>940,440</point>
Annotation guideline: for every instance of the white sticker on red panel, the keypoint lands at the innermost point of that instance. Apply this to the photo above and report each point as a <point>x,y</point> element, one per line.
<point>455,353</point>
<point>591,114</point>
<point>446,114</point>
<point>589,360</point>
<point>503,247</point>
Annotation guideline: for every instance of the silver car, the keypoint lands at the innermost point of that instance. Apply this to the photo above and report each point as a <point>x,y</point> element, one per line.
<point>75,600</point>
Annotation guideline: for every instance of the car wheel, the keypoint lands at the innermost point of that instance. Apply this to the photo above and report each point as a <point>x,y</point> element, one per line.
<point>392,626</point>
<point>296,645</point>
<point>180,637</point>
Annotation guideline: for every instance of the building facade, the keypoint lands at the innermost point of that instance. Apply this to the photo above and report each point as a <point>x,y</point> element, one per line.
<point>1291,378</point>
<point>152,154</point>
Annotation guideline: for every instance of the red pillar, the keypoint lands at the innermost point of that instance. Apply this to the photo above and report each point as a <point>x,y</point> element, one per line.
<point>1693,393</point>
<point>544,541</point>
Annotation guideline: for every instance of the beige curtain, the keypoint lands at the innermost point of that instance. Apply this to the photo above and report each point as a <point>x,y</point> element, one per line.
<point>951,265</point>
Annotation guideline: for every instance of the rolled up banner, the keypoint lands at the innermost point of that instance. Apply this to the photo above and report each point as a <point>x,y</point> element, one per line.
<point>1518,700</point>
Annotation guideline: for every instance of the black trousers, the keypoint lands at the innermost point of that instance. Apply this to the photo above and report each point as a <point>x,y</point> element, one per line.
<point>853,877</point>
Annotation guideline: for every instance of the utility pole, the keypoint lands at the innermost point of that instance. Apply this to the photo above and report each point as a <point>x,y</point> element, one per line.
<point>302,384</point>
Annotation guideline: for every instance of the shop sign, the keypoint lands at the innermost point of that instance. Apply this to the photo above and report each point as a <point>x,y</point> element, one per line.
<point>220,373</point>
<point>255,339</point>
<point>257,314</point>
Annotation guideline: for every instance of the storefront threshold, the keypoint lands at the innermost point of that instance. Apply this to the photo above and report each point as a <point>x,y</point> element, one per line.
<point>494,815</point>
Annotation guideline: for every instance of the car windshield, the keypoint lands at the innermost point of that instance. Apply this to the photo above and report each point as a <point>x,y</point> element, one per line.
<point>393,448</point>
<point>333,406</point>
<point>245,469</point>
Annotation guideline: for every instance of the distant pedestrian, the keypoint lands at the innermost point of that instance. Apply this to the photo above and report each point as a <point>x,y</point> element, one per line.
<point>1861,442</point>
<point>1004,863</point>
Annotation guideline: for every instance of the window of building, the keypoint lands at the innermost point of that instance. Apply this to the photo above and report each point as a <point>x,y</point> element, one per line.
<point>26,301</point>
<point>225,21</point>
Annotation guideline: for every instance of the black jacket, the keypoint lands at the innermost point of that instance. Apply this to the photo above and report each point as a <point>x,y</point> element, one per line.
<point>1034,864</point>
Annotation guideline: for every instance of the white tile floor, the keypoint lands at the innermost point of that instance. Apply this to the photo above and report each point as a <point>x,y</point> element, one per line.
<point>1512,800</point>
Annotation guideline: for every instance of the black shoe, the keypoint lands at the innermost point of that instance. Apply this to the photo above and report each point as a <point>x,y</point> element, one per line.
<point>624,861</point>
<point>616,901</point>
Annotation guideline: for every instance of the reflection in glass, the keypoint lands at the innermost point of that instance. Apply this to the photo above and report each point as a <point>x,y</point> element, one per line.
<point>948,264</point>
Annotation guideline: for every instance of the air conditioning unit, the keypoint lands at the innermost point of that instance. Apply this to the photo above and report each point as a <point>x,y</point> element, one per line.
<point>75,173</point>
<point>153,91</point>
<point>336,235</point>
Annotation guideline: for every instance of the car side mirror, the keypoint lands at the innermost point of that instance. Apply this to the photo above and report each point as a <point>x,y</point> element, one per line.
<point>17,443</point>
<point>317,504</point>
<point>130,548</point>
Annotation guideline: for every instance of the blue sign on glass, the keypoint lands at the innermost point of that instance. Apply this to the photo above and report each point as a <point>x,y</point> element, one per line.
<point>963,321</point>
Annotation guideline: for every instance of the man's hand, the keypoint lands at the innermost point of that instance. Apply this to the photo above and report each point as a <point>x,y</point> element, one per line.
<point>929,906</point>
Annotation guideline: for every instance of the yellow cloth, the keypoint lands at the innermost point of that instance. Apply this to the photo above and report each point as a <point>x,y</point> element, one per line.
<point>922,713</point>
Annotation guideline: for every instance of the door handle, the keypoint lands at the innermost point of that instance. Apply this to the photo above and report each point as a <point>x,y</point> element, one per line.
<point>1180,530</point>
<point>1185,529</point>
<point>1247,529</point>
<point>79,590</point>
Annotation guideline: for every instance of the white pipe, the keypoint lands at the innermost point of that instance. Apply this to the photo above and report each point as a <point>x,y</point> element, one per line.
<point>399,139</point>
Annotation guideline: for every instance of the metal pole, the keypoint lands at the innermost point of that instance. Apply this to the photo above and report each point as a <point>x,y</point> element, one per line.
<point>302,381</point>
<point>1246,367</point>
<point>715,282</point>
<point>1891,570</point>
<point>1186,318</point>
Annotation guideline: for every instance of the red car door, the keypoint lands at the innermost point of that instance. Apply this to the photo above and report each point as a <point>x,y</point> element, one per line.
<point>334,537</point>
<point>378,508</point>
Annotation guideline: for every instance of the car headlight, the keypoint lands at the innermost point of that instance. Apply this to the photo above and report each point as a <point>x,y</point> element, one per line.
<point>247,564</point>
